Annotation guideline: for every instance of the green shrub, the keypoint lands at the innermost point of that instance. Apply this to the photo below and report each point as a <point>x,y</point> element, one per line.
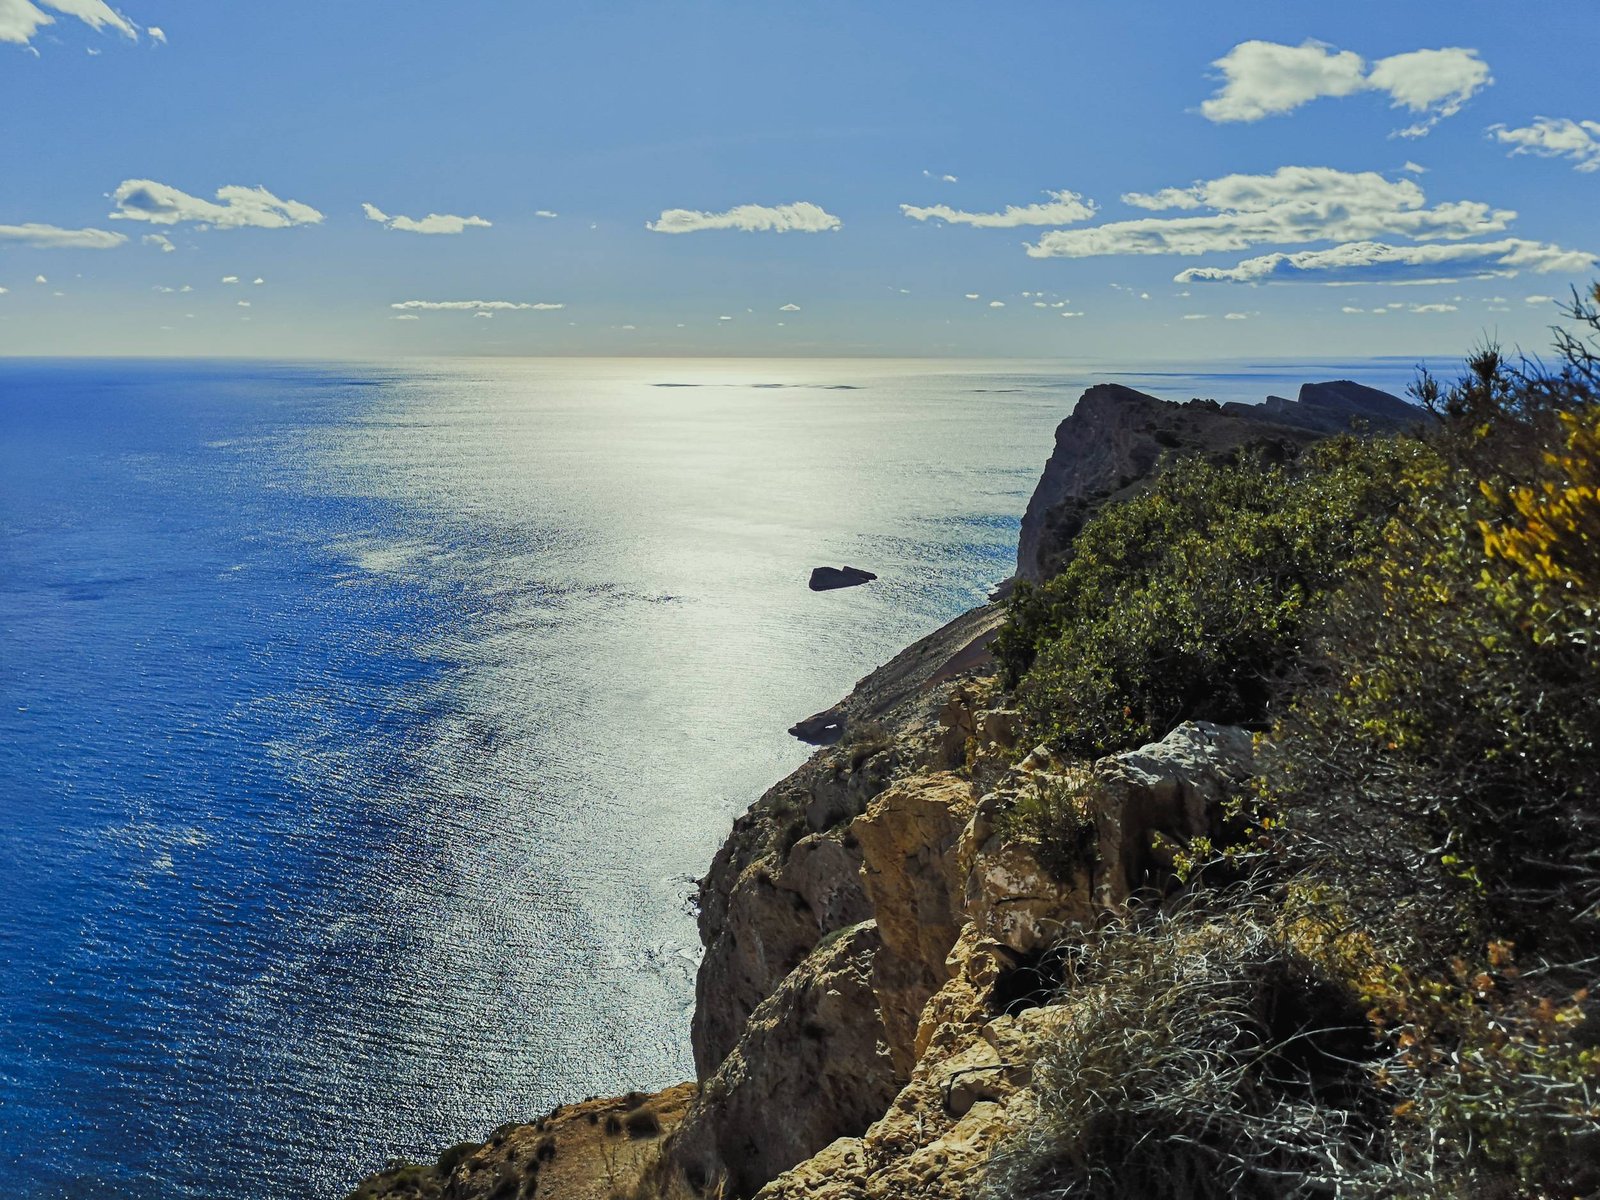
<point>1447,735</point>
<point>1055,820</point>
<point>1190,601</point>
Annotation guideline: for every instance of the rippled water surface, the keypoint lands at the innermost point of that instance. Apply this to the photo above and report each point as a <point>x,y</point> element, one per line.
<point>363,728</point>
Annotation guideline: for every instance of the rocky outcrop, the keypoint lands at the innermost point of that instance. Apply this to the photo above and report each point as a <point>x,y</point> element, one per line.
<point>811,1065</point>
<point>989,914</point>
<point>1117,438</point>
<point>789,871</point>
<point>587,1151</point>
<point>909,836</point>
<point>827,579</point>
<point>1333,407</point>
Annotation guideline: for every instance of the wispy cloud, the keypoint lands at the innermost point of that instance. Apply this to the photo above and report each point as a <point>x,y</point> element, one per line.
<point>53,237</point>
<point>1555,137</point>
<point>546,214</point>
<point>1291,205</point>
<point>21,19</point>
<point>234,208</point>
<point>159,239</point>
<point>1377,262</point>
<point>789,308</point>
<point>1063,208</point>
<point>432,223</point>
<point>474,306</point>
<point>1262,79</point>
<point>801,217</point>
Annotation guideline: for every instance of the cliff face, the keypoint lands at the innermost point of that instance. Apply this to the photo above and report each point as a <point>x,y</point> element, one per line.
<point>881,954</point>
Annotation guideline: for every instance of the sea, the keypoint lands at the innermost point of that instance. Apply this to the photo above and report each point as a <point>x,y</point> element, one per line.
<point>365,726</point>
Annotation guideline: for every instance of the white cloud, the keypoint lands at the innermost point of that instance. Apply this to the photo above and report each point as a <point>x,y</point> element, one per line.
<point>1432,308</point>
<point>406,317</point>
<point>157,34</point>
<point>258,280</point>
<point>53,237</point>
<point>1291,205</point>
<point>1064,208</point>
<point>1552,137</point>
<point>1348,309</point>
<point>940,178</point>
<point>3,291</point>
<point>801,217</point>
<point>1538,299</point>
<point>1072,314</point>
<point>21,19</point>
<point>235,207</point>
<point>1414,168</point>
<point>159,239</point>
<point>40,279</point>
<point>972,296</point>
<point>546,213</point>
<point>1262,79</point>
<point>243,303</point>
<point>1376,262</point>
<point>789,308</point>
<point>997,304</point>
<point>230,279</point>
<point>1236,317</point>
<point>1435,83</point>
<point>475,305</point>
<point>487,316</point>
<point>432,223</point>
<point>1194,316</point>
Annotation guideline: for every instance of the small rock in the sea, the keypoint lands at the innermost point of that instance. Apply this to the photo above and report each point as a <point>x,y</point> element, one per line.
<point>825,579</point>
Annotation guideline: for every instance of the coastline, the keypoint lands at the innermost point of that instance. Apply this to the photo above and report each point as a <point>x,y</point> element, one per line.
<point>871,935</point>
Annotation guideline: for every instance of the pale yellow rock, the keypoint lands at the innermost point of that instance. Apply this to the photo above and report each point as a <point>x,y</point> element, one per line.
<point>908,838</point>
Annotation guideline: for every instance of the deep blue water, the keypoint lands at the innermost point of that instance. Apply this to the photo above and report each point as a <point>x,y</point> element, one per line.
<point>362,728</point>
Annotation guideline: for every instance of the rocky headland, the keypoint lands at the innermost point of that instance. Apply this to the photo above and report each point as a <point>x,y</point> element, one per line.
<point>880,958</point>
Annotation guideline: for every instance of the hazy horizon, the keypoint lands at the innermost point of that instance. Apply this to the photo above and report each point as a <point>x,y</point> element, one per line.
<point>1122,182</point>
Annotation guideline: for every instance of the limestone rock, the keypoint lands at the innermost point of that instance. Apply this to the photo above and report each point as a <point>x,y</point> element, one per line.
<point>758,918</point>
<point>811,1066</point>
<point>908,838</point>
<point>1175,788</point>
<point>578,1152</point>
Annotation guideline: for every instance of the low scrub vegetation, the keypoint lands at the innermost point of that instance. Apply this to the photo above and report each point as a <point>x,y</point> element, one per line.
<point>1413,626</point>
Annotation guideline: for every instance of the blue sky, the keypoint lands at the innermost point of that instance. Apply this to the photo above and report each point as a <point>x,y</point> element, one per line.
<point>1082,179</point>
